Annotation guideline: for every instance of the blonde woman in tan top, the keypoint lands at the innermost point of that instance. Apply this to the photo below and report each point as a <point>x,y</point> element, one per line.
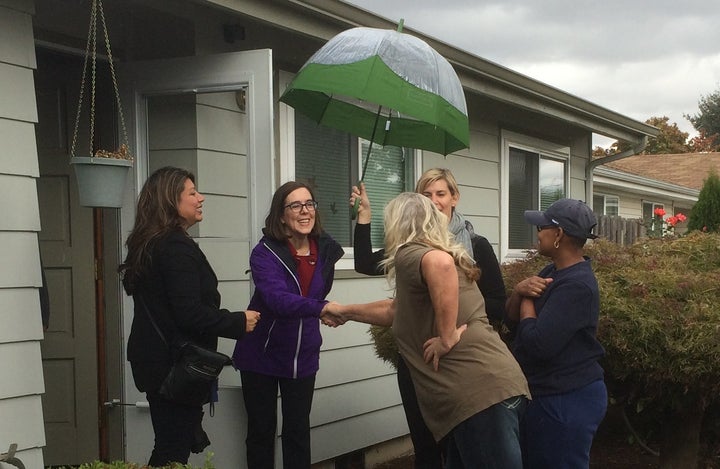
<point>470,389</point>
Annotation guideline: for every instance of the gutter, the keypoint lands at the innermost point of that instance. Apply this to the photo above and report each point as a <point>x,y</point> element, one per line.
<point>608,159</point>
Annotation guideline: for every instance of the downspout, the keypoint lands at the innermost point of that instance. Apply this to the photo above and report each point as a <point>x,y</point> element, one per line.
<point>608,159</point>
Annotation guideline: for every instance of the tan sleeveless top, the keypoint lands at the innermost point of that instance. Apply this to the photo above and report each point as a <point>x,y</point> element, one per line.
<point>477,373</point>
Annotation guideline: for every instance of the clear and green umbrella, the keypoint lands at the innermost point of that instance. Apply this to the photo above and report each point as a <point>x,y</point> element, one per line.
<point>385,86</point>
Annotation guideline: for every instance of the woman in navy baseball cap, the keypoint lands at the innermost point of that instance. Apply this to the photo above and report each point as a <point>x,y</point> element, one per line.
<point>556,316</point>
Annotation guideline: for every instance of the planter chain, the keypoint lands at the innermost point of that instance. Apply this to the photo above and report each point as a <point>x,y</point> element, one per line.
<point>91,54</point>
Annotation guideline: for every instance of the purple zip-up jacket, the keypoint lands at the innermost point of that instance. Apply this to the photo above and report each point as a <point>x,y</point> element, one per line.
<point>286,341</point>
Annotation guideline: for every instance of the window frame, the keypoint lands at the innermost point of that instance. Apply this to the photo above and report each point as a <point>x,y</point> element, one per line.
<point>544,149</point>
<point>650,219</point>
<point>654,205</point>
<point>605,198</point>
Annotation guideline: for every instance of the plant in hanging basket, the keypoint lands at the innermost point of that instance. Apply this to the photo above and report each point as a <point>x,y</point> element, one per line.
<point>121,153</point>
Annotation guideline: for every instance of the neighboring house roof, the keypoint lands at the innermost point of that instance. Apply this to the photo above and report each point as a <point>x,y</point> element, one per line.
<point>685,169</point>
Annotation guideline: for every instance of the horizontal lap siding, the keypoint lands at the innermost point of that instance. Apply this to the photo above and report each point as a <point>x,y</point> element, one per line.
<point>20,318</point>
<point>15,359</point>
<point>24,188</point>
<point>19,153</point>
<point>20,326</point>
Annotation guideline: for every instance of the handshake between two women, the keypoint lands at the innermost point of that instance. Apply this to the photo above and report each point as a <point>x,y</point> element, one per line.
<point>377,313</point>
<point>381,313</point>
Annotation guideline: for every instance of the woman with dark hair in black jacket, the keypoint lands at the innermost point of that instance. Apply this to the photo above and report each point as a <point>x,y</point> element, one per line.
<point>439,185</point>
<point>175,293</point>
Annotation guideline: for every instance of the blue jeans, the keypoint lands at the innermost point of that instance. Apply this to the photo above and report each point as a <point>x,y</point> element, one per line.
<point>557,430</point>
<point>489,439</point>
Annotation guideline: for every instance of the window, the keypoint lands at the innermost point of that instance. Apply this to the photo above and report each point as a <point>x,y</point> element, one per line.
<point>649,217</point>
<point>534,175</point>
<point>649,209</point>
<point>606,204</point>
<point>330,160</point>
<point>389,173</point>
<point>323,161</point>
<point>648,214</point>
<point>535,182</point>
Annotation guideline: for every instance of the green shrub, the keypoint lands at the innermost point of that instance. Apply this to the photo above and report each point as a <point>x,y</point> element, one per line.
<point>705,215</point>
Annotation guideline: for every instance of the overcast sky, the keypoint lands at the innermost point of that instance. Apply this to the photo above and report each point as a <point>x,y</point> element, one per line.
<point>637,57</point>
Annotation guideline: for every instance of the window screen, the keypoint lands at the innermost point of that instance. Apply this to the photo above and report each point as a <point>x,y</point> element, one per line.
<point>386,177</point>
<point>322,160</point>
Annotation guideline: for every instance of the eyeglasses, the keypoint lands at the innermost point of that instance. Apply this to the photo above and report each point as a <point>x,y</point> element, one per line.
<point>310,206</point>
<point>545,227</point>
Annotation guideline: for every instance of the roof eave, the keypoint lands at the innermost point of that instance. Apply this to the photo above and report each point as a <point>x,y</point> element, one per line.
<point>615,178</point>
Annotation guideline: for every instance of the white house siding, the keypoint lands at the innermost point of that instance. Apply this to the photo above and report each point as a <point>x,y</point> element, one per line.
<point>20,275</point>
<point>477,171</point>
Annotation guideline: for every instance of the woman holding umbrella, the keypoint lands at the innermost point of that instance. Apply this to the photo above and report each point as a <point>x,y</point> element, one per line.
<point>440,186</point>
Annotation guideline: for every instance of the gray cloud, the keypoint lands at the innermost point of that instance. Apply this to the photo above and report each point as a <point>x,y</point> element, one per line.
<point>641,58</point>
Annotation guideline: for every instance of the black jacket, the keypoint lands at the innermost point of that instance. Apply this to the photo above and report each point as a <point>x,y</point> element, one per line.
<point>181,293</point>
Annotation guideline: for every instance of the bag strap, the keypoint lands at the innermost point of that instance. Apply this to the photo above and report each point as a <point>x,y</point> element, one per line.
<point>152,320</point>
<point>162,336</point>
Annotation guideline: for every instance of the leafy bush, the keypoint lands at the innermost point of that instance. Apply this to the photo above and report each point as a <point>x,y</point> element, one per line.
<point>660,317</point>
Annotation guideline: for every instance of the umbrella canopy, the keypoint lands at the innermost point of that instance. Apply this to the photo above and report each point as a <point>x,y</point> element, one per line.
<point>385,86</point>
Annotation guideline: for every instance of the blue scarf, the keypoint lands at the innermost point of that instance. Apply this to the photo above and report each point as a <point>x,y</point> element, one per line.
<point>458,228</point>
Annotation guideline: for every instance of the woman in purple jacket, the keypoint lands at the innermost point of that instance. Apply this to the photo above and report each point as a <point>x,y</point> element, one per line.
<point>292,267</point>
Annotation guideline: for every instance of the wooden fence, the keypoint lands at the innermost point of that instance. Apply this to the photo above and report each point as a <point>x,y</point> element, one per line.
<point>620,230</point>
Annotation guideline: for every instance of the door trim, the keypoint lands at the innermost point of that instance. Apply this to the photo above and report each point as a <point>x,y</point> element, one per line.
<point>250,70</point>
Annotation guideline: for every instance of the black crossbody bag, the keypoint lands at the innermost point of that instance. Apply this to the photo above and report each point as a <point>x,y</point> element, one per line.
<point>193,371</point>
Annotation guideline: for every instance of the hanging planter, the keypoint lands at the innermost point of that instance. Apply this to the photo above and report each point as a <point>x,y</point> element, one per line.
<point>101,179</point>
<point>101,176</point>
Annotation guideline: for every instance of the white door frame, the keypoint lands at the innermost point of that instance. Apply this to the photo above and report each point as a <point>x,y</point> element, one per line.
<point>251,70</point>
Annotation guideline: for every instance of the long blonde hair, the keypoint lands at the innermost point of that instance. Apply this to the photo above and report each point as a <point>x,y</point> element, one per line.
<point>412,217</point>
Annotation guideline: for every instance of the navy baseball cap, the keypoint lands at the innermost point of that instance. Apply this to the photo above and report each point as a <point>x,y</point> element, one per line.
<point>573,216</point>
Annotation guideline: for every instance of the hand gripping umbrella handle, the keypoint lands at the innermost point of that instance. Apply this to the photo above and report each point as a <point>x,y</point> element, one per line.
<point>356,207</point>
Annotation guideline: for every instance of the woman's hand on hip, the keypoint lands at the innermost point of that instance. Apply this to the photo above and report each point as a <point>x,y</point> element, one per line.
<point>436,347</point>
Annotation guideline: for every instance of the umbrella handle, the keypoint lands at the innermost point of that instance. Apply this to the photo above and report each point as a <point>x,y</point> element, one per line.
<point>354,210</point>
